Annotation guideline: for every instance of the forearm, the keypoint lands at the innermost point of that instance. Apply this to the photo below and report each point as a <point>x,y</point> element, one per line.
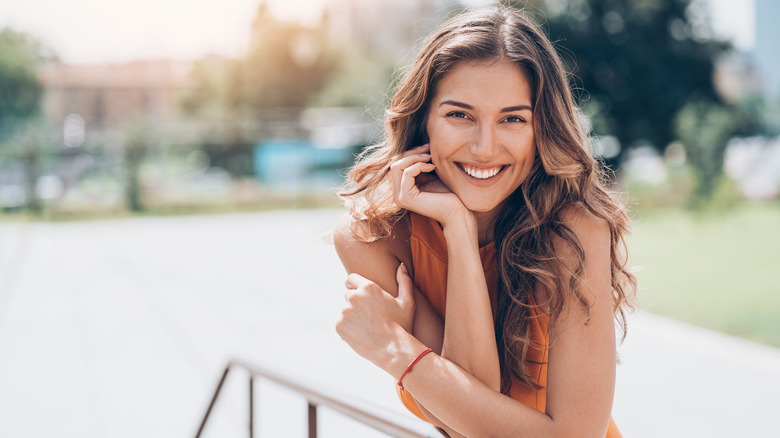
<point>469,337</point>
<point>454,399</point>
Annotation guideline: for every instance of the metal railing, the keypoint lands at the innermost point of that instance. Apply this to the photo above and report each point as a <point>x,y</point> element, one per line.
<point>390,423</point>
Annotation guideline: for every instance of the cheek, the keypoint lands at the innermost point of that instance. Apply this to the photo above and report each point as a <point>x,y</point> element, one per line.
<point>527,146</point>
<point>438,159</point>
<point>438,141</point>
<point>443,140</point>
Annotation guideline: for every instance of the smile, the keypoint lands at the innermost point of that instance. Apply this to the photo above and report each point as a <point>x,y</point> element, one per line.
<point>481,172</point>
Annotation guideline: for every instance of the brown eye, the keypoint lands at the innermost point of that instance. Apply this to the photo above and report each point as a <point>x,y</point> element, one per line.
<point>458,115</point>
<point>515,119</point>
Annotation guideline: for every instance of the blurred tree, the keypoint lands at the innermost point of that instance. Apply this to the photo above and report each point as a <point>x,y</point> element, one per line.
<point>287,64</point>
<point>705,128</point>
<point>137,139</point>
<point>361,81</point>
<point>20,89</point>
<point>635,62</point>
<point>31,144</point>
<point>209,91</point>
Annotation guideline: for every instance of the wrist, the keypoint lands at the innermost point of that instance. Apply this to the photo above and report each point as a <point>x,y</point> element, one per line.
<point>461,229</point>
<point>411,365</point>
<point>400,353</point>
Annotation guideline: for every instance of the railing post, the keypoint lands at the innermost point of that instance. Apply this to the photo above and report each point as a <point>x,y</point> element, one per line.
<point>314,398</point>
<point>251,406</point>
<point>312,420</point>
<point>213,399</point>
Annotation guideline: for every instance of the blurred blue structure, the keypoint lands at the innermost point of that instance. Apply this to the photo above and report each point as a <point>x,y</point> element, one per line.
<point>277,160</point>
<point>295,164</point>
<point>766,54</point>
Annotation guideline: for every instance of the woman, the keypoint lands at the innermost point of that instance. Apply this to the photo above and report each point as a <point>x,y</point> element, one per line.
<point>480,231</point>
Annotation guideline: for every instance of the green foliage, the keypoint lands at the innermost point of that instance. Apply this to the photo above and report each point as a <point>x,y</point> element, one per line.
<point>286,66</point>
<point>210,89</point>
<point>20,89</point>
<point>360,80</point>
<point>635,62</point>
<point>31,145</point>
<point>138,138</point>
<point>770,118</point>
<point>716,271</point>
<point>677,192</point>
<point>672,193</point>
<point>705,128</point>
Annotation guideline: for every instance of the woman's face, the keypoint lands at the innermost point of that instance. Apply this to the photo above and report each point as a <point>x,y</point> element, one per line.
<point>480,131</point>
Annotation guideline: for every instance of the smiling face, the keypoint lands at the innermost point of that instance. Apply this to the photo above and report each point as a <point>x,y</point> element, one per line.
<point>480,131</point>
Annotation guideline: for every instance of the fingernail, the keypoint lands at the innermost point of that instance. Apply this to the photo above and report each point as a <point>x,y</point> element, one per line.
<point>403,268</point>
<point>426,155</point>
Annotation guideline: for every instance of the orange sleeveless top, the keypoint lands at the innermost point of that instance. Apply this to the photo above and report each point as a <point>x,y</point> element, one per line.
<point>429,263</point>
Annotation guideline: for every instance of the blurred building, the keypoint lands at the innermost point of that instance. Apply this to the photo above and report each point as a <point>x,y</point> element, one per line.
<point>107,96</point>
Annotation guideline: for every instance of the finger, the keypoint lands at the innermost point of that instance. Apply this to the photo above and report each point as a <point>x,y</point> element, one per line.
<point>356,281</point>
<point>411,156</point>
<point>407,183</point>
<point>405,285</point>
<point>401,164</point>
<point>418,149</point>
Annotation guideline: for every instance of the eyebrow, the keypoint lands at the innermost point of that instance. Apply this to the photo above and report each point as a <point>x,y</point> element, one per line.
<point>508,109</point>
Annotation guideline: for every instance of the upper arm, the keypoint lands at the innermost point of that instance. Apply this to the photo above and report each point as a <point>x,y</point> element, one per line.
<point>582,356</point>
<point>378,261</point>
<point>375,261</point>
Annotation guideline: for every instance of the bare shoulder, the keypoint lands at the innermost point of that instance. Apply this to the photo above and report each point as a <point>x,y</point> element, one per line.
<point>345,239</point>
<point>375,260</point>
<point>593,239</point>
<point>590,229</point>
<point>349,244</point>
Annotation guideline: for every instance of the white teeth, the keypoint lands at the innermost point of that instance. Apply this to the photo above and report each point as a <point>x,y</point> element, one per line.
<point>481,173</point>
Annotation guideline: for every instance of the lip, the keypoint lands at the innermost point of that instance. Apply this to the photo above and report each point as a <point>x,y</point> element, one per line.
<point>499,170</point>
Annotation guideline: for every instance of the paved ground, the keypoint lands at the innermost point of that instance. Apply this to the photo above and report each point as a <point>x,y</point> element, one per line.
<point>122,328</point>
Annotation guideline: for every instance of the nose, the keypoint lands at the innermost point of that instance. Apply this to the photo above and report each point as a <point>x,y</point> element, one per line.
<point>484,145</point>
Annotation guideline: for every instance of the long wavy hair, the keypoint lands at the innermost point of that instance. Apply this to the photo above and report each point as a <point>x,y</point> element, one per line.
<point>564,174</point>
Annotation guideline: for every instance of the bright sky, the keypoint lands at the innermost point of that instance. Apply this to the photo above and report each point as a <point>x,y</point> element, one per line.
<point>735,20</point>
<point>92,31</point>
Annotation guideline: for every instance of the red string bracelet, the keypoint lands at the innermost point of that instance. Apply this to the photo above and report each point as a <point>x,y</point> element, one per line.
<point>409,368</point>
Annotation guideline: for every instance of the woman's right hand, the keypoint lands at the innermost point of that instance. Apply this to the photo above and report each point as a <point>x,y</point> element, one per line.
<point>416,190</point>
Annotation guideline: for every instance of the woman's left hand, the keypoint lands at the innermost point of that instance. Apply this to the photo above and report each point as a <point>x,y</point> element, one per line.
<point>372,317</point>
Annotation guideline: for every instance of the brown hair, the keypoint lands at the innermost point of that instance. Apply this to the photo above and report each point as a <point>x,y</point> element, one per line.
<point>565,174</point>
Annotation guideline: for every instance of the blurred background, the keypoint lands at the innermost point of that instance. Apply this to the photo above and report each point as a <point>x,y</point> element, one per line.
<point>120,110</point>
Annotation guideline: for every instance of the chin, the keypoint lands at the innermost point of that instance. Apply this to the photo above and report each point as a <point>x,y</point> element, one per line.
<point>480,207</point>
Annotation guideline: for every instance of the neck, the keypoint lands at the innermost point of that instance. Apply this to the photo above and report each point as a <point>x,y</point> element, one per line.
<point>485,226</point>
